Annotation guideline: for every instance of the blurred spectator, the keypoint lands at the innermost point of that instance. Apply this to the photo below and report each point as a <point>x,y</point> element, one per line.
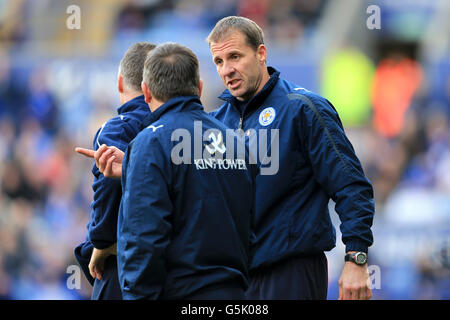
<point>139,14</point>
<point>213,13</point>
<point>12,21</point>
<point>347,77</point>
<point>255,10</point>
<point>434,273</point>
<point>16,186</point>
<point>41,104</point>
<point>287,21</point>
<point>10,95</point>
<point>396,80</point>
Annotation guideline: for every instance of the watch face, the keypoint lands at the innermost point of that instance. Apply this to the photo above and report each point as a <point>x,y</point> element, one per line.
<point>360,258</point>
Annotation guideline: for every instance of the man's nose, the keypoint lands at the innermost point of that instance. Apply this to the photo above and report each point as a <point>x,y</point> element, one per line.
<point>228,69</point>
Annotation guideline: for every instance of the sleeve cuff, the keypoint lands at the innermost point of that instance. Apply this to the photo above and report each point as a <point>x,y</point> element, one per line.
<point>99,244</point>
<point>356,245</point>
<point>83,256</point>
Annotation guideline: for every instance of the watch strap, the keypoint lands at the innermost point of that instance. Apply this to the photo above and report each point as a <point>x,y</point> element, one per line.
<point>352,257</point>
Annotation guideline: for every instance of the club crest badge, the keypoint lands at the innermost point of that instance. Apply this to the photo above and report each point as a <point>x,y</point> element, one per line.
<point>267,116</point>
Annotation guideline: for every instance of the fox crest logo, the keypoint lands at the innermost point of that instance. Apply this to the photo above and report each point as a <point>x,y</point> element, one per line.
<point>267,116</point>
<point>216,143</point>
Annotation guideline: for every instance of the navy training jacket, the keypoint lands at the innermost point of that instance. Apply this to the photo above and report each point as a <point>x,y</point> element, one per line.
<point>312,162</point>
<point>183,225</point>
<point>102,226</point>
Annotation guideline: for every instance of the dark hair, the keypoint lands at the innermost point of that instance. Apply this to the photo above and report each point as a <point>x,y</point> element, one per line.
<point>252,32</point>
<point>172,70</point>
<point>132,64</point>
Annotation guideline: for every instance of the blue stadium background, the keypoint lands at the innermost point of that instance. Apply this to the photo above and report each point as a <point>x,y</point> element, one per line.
<point>57,86</point>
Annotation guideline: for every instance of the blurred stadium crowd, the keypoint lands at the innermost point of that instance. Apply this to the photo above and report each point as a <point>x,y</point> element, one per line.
<point>390,86</point>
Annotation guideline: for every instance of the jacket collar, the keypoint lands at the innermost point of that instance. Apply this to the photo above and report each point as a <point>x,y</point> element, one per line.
<point>256,101</point>
<point>177,104</point>
<point>135,103</point>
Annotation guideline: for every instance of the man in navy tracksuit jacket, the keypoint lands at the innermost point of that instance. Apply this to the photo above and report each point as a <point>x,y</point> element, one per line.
<point>312,161</point>
<point>184,220</point>
<point>118,131</point>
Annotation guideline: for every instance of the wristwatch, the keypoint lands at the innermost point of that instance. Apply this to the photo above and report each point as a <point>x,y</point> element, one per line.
<point>359,258</point>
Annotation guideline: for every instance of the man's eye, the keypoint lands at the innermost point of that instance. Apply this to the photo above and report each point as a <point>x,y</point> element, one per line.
<point>218,62</point>
<point>235,56</point>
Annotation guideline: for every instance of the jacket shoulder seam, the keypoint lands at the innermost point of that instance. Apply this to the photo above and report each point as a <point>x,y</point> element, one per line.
<point>310,104</point>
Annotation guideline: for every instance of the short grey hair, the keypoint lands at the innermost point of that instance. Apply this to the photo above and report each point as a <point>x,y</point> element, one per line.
<point>132,64</point>
<point>172,70</point>
<point>252,32</point>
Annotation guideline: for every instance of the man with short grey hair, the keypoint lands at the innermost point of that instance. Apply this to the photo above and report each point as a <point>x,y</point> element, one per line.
<point>96,255</point>
<point>316,163</point>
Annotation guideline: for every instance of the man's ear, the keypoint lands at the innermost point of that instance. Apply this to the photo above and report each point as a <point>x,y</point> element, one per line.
<point>120,83</point>
<point>146,91</point>
<point>200,88</point>
<point>261,53</point>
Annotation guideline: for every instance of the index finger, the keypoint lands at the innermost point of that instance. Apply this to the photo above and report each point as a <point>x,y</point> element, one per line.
<point>85,152</point>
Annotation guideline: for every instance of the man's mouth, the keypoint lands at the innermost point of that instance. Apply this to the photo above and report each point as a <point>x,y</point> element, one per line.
<point>233,84</point>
